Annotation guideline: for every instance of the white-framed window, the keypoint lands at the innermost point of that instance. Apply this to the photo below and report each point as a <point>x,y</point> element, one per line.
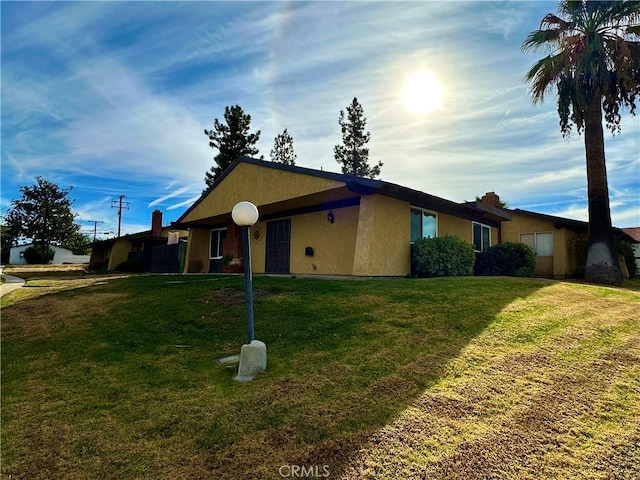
<point>481,237</point>
<point>424,224</point>
<point>215,242</point>
<point>540,242</point>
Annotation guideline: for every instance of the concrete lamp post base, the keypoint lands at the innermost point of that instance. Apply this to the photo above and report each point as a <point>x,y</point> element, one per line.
<point>253,360</point>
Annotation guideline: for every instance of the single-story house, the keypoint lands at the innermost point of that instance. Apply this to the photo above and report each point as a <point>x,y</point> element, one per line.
<point>317,222</point>
<point>160,250</point>
<point>60,255</point>
<point>633,235</point>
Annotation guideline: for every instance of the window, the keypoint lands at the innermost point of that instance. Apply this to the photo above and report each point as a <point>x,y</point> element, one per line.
<point>423,224</point>
<point>215,245</point>
<point>542,243</point>
<point>481,237</point>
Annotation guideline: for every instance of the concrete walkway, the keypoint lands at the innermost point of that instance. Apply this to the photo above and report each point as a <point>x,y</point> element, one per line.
<point>11,283</point>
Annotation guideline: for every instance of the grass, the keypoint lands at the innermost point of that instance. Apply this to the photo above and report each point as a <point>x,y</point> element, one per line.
<point>442,378</point>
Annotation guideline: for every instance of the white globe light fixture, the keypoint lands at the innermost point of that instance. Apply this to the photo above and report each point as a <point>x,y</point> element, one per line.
<point>245,214</point>
<point>253,355</point>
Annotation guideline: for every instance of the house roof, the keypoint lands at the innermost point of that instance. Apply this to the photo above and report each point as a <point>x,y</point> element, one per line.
<point>633,233</point>
<point>145,235</point>
<point>558,222</point>
<point>577,225</point>
<point>496,213</point>
<point>361,186</point>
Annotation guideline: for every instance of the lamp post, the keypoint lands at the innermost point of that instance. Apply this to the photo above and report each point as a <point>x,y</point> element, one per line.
<point>253,355</point>
<point>245,214</point>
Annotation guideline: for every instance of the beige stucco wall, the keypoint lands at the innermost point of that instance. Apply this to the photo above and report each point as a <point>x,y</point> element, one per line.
<point>197,257</point>
<point>119,253</point>
<point>562,263</point>
<point>259,185</point>
<point>383,237</point>
<point>333,243</point>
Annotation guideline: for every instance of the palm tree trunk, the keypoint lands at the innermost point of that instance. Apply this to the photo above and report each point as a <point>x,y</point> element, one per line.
<point>602,263</point>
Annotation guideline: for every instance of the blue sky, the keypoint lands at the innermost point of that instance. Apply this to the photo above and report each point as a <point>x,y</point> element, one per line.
<point>112,98</point>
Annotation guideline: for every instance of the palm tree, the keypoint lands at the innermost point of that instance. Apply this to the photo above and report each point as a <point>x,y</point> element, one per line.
<point>594,62</point>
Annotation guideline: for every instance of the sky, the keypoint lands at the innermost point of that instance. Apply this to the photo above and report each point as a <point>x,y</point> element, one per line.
<point>112,98</point>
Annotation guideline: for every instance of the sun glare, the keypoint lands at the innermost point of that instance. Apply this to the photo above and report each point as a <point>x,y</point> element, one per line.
<point>422,92</point>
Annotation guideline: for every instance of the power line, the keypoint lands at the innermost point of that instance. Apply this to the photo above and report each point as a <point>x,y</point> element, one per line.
<point>120,205</point>
<point>95,227</point>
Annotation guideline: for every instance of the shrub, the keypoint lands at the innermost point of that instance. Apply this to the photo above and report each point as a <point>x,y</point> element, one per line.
<point>38,255</point>
<point>509,258</point>
<point>443,256</point>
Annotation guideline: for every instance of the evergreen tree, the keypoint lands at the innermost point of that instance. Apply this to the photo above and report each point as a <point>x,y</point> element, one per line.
<point>43,215</point>
<point>353,154</point>
<point>231,139</point>
<point>282,151</point>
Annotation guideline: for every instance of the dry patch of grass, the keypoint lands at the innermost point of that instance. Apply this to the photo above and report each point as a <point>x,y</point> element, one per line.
<point>44,280</point>
<point>550,390</point>
<point>35,315</point>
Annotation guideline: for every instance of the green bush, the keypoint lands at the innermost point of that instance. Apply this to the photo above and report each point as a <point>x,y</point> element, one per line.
<point>510,259</point>
<point>38,255</point>
<point>443,256</point>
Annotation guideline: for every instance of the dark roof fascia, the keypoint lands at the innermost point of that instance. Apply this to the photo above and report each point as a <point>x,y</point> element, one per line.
<point>490,209</point>
<point>425,200</point>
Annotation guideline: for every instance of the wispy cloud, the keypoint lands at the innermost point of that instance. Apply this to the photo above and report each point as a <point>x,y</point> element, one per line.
<point>113,97</point>
<point>172,194</point>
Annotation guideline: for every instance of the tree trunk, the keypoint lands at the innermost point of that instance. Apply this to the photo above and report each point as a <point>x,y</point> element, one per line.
<point>602,262</point>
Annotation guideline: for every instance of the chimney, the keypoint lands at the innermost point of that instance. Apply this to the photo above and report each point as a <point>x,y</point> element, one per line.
<point>490,198</point>
<point>156,223</point>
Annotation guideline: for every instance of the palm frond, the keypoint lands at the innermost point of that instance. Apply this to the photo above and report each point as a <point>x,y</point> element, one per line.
<point>554,22</point>
<point>546,73</point>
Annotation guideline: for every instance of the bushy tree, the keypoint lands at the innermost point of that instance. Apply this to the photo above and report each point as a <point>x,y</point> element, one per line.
<point>79,244</point>
<point>443,256</point>
<point>352,154</point>
<point>594,65</point>
<point>38,255</point>
<point>511,259</point>
<point>43,214</point>
<point>8,239</point>
<point>231,138</point>
<point>282,151</point>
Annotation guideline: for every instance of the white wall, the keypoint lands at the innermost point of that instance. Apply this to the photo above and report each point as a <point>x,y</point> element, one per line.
<point>61,255</point>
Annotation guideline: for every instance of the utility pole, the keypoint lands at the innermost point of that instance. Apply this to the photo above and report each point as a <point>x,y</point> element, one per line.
<point>119,204</point>
<point>95,228</point>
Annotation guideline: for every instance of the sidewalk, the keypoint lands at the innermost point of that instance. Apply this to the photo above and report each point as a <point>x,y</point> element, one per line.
<point>11,283</point>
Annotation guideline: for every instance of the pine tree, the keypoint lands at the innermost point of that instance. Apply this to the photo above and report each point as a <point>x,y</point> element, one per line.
<point>353,154</point>
<point>282,151</point>
<point>231,139</point>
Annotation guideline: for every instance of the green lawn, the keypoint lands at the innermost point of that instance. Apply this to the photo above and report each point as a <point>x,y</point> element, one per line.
<point>116,378</point>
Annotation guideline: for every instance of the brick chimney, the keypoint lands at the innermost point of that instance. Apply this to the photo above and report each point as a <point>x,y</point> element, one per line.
<point>156,223</point>
<point>490,198</point>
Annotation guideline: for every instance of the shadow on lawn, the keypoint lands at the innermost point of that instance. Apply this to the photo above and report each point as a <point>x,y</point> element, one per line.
<point>346,364</point>
<point>345,358</point>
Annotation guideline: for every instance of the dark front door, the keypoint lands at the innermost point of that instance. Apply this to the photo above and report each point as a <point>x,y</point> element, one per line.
<point>278,246</point>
